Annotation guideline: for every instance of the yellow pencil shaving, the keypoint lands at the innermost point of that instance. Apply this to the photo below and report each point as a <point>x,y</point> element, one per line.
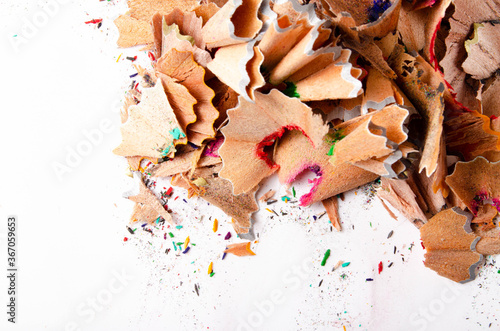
<point>210,268</point>
<point>118,59</point>
<point>216,225</point>
<point>186,243</point>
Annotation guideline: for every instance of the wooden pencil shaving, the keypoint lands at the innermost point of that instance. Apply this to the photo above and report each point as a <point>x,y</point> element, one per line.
<point>372,136</point>
<point>252,126</point>
<point>147,206</point>
<point>476,181</point>
<point>405,91</point>
<point>133,32</point>
<point>295,154</point>
<point>268,195</point>
<point>181,31</point>
<point>418,26</point>
<point>467,12</point>
<point>236,22</point>
<point>182,67</point>
<point>241,249</point>
<point>151,128</point>
<point>183,163</point>
<point>247,59</point>
<point>451,245</point>
<point>219,193</point>
<point>332,209</point>
<point>399,195</point>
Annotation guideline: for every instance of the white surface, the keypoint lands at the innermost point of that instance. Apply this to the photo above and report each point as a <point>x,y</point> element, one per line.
<point>64,81</point>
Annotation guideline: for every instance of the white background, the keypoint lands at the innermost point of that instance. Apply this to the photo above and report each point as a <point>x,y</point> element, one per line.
<point>60,80</point>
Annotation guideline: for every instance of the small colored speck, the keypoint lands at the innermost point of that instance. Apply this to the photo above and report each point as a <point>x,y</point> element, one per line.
<point>330,151</point>
<point>171,234</point>
<point>291,90</point>
<point>285,198</point>
<point>94,21</point>
<point>271,211</point>
<point>151,56</point>
<point>178,227</point>
<point>327,255</point>
<point>345,264</point>
<point>177,133</point>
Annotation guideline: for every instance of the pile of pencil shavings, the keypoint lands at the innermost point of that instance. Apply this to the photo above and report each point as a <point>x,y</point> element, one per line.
<point>350,90</point>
